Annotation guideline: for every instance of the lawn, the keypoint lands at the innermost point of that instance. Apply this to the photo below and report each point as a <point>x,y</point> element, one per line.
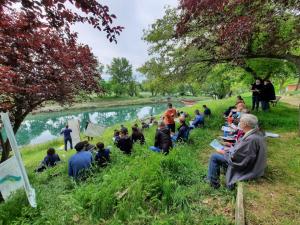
<point>149,188</point>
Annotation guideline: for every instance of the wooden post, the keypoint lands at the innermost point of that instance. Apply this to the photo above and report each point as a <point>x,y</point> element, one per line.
<point>239,209</point>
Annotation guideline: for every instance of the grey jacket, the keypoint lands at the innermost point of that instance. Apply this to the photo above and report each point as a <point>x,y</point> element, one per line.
<point>247,159</point>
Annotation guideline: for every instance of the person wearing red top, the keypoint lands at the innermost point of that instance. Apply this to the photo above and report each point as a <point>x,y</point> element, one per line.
<point>169,117</point>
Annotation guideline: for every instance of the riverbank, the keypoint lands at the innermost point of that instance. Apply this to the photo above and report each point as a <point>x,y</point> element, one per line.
<point>107,102</point>
<point>155,189</point>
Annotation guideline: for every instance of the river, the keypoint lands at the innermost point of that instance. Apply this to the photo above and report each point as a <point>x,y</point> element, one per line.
<point>44,127</point>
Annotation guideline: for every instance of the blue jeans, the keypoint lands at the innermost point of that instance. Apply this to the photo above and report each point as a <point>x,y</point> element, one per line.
<point>215,163</point>
<point>174,137</point>
<point>66,143</point>
<point>155,149</point>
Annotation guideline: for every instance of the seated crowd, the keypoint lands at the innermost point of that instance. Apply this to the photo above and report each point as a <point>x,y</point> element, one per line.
<point>242,155</point>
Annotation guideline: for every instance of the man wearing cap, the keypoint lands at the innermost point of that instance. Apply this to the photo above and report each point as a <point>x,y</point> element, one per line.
<point>80,161</point>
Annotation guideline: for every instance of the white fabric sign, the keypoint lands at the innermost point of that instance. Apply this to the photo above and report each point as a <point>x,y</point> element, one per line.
<point>94,130</point>
<point>74,125</point>
<point>17,163</point>
<point>10,177</point>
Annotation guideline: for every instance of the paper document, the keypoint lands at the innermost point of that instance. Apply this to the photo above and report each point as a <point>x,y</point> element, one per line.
<point>228,138</point>
<point>227,129</point>
<point>216,145</point>
<point>269,134</point>
<point>233,126</point>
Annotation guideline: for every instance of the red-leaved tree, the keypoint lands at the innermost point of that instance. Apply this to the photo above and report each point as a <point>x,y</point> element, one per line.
<point>61,14</point>
<point>40,58</point>
<point>40,62</point>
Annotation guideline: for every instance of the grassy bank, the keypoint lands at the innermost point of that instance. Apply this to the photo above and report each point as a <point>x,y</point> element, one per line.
<point>106,102</point>
<point>149,188</point>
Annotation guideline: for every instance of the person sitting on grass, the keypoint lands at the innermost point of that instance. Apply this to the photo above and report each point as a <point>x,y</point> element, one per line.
<point>198,121</point>
<point>88,146</point>
<point>116,137</point>
<point>82,160</point>
<point>125,142</point>
<point>183,130</point>
<point>207,111</point>
<point>50,160</point>
<point>163,142</point>
<point>102,157</point>
<point>137,135</point>
<point>246,160</point>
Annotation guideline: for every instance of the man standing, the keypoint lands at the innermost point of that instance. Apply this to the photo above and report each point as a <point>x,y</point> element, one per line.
<point>268,95</point>
<point>169,117</point>
<point>256,90</point>
<point>67,136</point>
<point>82,160</point>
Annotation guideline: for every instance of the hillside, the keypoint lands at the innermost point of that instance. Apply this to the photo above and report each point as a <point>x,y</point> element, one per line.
<point>149,188</point>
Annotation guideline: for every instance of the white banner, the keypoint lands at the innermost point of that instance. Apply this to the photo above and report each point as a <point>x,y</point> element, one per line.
<point>30,192</point>
<point>10,177</point>
<point>74,125</point>
<point>94,130</point>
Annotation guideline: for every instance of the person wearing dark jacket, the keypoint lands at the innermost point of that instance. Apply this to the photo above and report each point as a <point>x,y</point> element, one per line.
<point>102,157</point>
<point>125,142</point>
<point>67,137</point>
<point>163,141</point>
<point>183,130</point>
<point>256,90</point>
<point>137,135</point>
<point>207,111</point>
<point>268,95</point>
<point>51,159</point>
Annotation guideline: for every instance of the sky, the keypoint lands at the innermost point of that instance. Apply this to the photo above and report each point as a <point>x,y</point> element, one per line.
<point>135,16</point>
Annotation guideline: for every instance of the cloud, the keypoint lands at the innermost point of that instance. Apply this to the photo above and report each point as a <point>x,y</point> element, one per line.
<point>135,16</point>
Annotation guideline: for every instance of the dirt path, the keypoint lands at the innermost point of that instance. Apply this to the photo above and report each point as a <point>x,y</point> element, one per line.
<point>292,100</point>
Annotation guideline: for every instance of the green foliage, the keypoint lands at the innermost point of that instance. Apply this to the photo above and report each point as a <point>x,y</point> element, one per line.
<point>122,81</point>
<point>223,80</point>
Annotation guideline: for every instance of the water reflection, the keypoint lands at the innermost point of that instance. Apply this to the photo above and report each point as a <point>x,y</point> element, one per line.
<point>45,127</point>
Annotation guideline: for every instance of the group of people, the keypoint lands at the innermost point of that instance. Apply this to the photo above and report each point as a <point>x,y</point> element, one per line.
<point>242,153</point>
<point>86,154</point>
<point>262,93</point>
<point>166,135</point>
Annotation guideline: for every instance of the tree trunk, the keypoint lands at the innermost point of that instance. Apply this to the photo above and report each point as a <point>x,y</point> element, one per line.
<point>16,126</point>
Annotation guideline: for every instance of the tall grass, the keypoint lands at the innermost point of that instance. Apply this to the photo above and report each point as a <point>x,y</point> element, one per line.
<point>144,188</point>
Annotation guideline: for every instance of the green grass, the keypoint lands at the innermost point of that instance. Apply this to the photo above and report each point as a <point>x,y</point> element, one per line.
<point>158,189</point>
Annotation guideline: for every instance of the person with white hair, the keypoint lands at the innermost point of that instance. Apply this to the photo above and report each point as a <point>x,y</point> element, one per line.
<point>246,160</point>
